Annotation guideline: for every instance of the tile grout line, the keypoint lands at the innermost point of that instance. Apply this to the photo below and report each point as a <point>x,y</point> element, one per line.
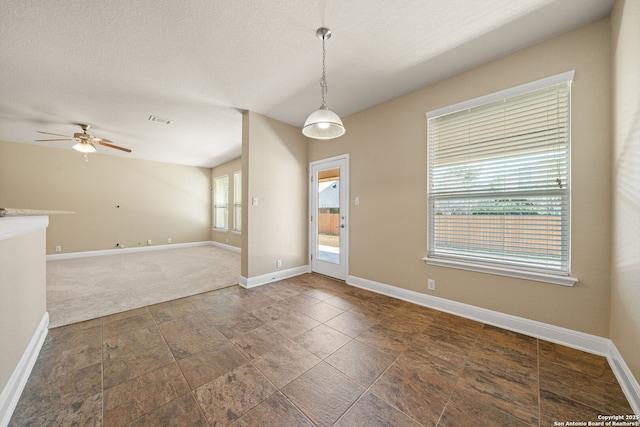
<point>102,368</point>
<point>588,374</point>
<point>538,372</point>
<point>464,366</point>
<point>159,367</point>
<point>368,389</point>
<point>279,389</point>
<point>321,361</point>
<point>248,361</point>
<point>191,390</point>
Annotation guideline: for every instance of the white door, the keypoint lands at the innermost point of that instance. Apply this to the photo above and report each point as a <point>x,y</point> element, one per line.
<point>329,216</point>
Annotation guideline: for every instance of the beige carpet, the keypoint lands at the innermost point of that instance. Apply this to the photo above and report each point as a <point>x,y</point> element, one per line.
<point>79,289</point>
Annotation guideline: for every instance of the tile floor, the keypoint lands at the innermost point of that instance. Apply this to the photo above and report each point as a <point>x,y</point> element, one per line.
<point>307,351</point>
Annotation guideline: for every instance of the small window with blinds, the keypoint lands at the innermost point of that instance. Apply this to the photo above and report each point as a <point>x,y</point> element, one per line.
<point>499,182</point>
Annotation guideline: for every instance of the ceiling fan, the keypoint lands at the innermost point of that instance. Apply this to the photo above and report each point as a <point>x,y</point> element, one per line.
<point>85,140</point>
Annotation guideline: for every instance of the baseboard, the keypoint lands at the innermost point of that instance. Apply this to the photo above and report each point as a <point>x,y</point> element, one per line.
<point>570,338</point>
<point>227,247</point>
<point>70,255</point>
<point>629,385</point>
<point>13,389</point>
<point>252,282</point>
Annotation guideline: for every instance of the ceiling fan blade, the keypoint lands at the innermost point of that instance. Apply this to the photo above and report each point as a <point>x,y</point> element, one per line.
<point>103,140</point>
<point>106,144</point>
<point>46,140</point>
<point>56,134</point>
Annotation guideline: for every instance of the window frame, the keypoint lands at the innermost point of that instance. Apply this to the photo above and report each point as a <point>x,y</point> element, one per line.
<point>237,202</point>
<point>217,205</point>
<point>478,265</point>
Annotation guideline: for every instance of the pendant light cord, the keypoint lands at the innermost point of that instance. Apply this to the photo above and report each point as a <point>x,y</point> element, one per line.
<point>323,80</point>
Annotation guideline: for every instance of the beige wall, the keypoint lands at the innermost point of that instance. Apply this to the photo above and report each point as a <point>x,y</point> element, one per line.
<point>388,173</point>
<point>625,265</point>
<point>274,158</point>
<point>157,200</point>
<point>22,296</point>
<point>228,237</point>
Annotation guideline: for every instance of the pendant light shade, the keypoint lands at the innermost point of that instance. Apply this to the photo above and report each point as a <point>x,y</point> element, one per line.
<point>323,123</point>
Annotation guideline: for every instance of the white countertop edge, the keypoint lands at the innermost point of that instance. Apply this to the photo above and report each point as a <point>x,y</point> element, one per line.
<point>12,226</point>
<point>4,212</point>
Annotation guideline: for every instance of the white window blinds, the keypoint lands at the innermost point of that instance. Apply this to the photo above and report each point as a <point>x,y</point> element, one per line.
<point>237,201</point>
<point>221,202</point>
<point>498,174</point>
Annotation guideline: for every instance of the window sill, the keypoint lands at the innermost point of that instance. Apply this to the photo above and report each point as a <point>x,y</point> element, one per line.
<point>221,230</point>
<point>237,233</point>
<point>519,274</point>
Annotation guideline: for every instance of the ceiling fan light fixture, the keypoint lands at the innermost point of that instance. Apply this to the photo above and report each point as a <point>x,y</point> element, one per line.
<point>323,123</point>
<point>84,141</point>
<point>85,147</point>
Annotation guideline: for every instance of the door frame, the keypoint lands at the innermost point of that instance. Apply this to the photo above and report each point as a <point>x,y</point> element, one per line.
<point>344,211</point>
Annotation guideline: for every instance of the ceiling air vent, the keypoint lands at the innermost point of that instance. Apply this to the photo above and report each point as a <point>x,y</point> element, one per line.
<point>153,118</point>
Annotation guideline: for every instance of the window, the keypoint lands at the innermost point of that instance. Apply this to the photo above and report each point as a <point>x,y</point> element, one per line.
<point>498,183</point>
<point>237,201</point>
<point>221,202</point>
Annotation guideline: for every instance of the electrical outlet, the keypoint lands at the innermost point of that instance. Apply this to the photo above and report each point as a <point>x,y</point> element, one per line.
<point>279,263</point>
<point>169,240</point>
<point>58,248</point>
<point>149,242</point>
<point>431,284</point>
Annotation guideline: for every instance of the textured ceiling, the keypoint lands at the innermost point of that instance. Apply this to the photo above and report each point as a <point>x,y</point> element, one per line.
<point>200,63</point>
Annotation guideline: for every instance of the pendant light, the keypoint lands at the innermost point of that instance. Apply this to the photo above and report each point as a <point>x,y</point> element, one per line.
<point>323,123</point>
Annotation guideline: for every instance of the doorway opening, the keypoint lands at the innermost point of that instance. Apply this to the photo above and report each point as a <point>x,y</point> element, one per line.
<point>329,216</point>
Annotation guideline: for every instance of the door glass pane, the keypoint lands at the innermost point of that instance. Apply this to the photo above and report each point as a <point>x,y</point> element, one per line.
<point>328,238</point>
